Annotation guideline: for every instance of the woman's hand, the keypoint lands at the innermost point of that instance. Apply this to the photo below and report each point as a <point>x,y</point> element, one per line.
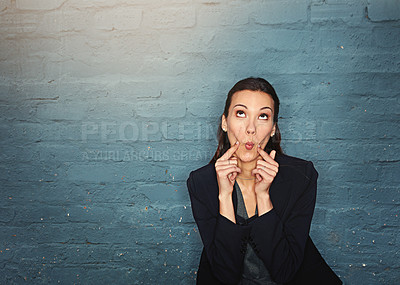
<point>265,173</point>
<point>227,170</point>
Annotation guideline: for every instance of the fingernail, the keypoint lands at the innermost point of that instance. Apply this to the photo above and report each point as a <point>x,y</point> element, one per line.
<point>237,142</point>
<point>259,145</point>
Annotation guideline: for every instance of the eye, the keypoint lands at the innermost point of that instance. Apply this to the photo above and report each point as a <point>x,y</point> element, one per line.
<point>264,116</point>
<point>240,114</point>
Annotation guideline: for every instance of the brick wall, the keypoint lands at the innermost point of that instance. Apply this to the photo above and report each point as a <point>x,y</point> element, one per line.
<point>107,105</point>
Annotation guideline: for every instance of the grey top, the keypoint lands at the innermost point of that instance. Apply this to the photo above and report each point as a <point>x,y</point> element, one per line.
<point>254,271</point>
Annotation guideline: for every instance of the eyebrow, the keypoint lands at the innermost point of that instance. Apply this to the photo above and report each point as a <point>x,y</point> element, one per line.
<point>244,106</point>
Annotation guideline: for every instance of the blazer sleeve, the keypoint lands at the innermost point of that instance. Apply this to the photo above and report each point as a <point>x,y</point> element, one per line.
<point>279,244</point>
<point>223,240</point>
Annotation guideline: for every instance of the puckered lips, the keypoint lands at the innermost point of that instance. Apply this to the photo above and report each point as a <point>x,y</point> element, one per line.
<point>249,145</point>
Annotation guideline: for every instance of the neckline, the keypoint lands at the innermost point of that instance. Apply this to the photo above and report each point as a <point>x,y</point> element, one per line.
<point>241,204</point>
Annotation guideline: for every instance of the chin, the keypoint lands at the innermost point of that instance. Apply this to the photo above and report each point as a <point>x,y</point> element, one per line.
<point>248,156</point>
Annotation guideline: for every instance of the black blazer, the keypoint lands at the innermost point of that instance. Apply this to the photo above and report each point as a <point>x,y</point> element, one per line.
<point>280,237</point>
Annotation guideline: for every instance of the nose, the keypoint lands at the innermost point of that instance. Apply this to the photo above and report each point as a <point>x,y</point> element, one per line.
<point>251,128</point>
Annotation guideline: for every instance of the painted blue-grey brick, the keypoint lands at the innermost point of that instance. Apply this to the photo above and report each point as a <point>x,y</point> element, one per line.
<point>383,10</point>
<point>218,15</point>
<point>279,12</point>
<point>102,118</point>
<point>346,11</point>
<point>170,18</point>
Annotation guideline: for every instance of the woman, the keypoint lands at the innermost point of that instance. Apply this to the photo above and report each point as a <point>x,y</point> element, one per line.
<point>253,204</point>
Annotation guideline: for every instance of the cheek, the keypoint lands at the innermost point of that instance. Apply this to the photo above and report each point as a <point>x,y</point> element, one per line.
<point>264,133</point>
<point>238,131</point>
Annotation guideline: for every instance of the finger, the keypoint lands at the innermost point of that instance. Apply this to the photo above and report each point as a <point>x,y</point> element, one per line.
<point>233,160</point>
<point>265,174</point>
<point>230,151</point>
<point>265,164</point>
<point>223,173</point>
<point>267,170</point>
<point>231,175</point>
<point>272,154</point>
<point>226,162</point>
<point>258,176</point>
<point>266,156</point>
<point>225,167</point>
<point>221,159</point>
<point>269,163</point>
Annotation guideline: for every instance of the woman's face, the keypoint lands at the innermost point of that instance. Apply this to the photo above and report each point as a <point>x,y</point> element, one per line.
<point>249,121</point>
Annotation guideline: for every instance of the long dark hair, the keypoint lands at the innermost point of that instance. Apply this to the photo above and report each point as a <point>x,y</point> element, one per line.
<point>253,84</point>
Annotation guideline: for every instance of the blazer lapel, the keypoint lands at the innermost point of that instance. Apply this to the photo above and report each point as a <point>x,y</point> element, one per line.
<point>280,189</point>
<point>211,189</point>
